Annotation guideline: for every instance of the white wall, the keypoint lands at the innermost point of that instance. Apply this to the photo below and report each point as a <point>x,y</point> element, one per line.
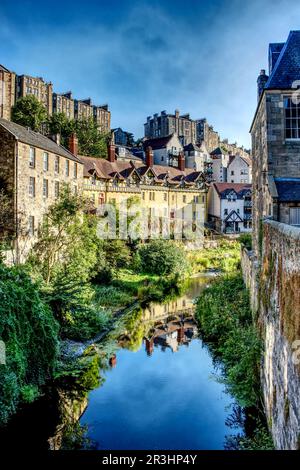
<point>237,167</point>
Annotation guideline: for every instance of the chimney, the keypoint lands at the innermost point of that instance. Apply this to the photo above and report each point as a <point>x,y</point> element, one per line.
<point>149,156</point>
<point>55,138</point>
<point>73,144</point>
<point>111,149</point>
<point>261,82</point>
<point>181,161</point>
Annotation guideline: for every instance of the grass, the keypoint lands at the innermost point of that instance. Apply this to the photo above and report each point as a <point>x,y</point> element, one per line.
<point>225,257</point>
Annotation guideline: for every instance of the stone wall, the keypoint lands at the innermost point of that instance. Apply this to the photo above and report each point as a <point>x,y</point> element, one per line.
<point>275,296</point>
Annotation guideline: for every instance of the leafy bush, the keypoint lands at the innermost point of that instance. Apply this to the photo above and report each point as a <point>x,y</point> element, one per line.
<point>246,240</point>
<point>225,320</point>
<point>29,331</point>
<point>162,257</point>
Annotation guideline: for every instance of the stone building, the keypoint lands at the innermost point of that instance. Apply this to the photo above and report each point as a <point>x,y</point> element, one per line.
<point>27,85</point>
<point>7,92</point>
<point>102,118</point>
<point>166,124</point>
<point>123,138</point>
<point>230,207</point>
<point>275,134</point>
<point>33,171</point>
<point>165,191</point>
<point>84,109</point>
<point>64,103</point>
<point>207,134</point>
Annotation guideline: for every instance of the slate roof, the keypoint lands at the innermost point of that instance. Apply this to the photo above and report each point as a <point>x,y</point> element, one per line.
<point>274,50</point>
<point>27,136</point>
<point>218,151</point>
<point>247,160</point>
<point>287,67</point>
<point>288,189</point>
<point>191,147</point>
<point>4,69</point>
<point>108,170</point>
<point>157,142</point>
<point>224,188</point>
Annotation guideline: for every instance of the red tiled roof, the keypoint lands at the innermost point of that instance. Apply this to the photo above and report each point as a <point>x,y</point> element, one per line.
<point>107,170</point>
<point>237,187</point>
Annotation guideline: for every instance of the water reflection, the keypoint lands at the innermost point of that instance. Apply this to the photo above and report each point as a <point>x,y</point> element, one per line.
<point>156,390</point>
<point>162,396</point>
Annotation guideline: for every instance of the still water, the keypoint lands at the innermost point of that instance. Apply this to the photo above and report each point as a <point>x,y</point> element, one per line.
<point>159,392</point>
<point>162,395</point>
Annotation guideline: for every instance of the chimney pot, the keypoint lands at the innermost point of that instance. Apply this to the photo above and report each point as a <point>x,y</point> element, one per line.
<point>73,144</point>
<point>149,156</point>
<point>181,161</point>
<point>111,149</point>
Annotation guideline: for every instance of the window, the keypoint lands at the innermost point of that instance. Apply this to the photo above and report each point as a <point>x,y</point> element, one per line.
<point>45,188</point>
<point>75,170</point>
<point>46,161</point>
<point>143,196</point>
<point>56,189</point>
<point>238,211</point>
<point>294,215</point>
<point>56,164</point>
<point>232,172</point>
<point>292,119</point>
<point>67,168</point>
<point>31,226</point>
<point>184,198</point>
<point>165,196</point>
<point>225,211</point>
<point>32,157</point>
<point>32,186</point>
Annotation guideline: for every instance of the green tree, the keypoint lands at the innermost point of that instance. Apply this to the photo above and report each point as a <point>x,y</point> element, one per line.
<point>29,112</point>
<point>162,257</point>
<point>91,141</point>
<point>58,123</point>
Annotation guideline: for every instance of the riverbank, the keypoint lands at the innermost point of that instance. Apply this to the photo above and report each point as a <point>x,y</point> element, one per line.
<point>226,325</point>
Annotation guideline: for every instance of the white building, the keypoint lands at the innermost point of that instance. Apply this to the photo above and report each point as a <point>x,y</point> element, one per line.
<point>230,207</point>
<point>165,149</point>
<point>239,170</point>
<point>196,156</point>
<point>220,161</point>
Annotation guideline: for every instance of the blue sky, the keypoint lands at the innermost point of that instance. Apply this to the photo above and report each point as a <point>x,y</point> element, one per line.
<point>142,57</point>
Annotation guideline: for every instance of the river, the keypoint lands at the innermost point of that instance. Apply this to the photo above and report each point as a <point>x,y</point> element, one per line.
<point>159,392</point>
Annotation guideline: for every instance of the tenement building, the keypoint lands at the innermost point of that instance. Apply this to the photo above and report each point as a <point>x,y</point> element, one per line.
<point>165,191</point>
<point>276,138</point>
<point>166,124</point>
<point>7,92</point>
<point>84,109</point>
<point>64,103</point>
<point>33,171</point>
<point>27,85</point>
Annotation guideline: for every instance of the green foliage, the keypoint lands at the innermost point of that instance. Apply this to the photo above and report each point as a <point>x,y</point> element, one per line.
<point>91,141</point>
<point>162,257</point>
<point>225,320</point>
<point>260,440</point>
<point>225,257</point>
<point>246,240</point>
<point>111,296</point>
<point>29,331</point>
<point>29,112</point>
<point>58,123</point>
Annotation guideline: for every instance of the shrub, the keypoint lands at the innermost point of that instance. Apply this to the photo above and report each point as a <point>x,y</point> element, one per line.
<point>162,257</point>
<point>29,331</point>
<point>246,240</point>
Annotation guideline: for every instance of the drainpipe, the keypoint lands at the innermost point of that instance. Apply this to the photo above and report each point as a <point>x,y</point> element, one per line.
<point>16,200</point>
